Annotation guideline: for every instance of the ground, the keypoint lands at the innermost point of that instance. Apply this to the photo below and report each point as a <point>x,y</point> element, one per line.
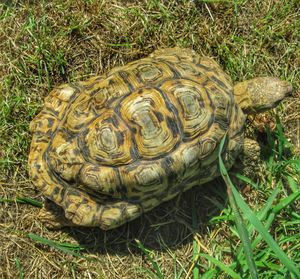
<point>46,43</point>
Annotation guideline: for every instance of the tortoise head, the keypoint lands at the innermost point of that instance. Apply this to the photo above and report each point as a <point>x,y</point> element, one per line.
<point>260,94</point>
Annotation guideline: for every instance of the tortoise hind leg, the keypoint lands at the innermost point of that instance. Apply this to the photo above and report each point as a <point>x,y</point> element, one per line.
<point>115,214</point>
<point>248,161</point>
<point>77,209</point>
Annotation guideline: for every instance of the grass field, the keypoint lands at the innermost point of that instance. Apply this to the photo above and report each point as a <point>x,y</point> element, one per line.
<point>46,43</point>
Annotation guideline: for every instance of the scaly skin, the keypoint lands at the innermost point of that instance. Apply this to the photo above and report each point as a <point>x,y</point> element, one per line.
<point>260,94</point>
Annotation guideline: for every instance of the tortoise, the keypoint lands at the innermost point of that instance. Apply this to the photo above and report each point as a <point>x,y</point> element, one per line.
<point>110,148</point>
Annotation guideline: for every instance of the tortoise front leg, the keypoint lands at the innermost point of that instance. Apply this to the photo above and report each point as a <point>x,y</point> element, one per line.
<point>250,158</point>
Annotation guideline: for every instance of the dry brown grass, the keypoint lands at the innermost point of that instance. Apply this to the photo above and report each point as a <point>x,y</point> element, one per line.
<point>43,44</point>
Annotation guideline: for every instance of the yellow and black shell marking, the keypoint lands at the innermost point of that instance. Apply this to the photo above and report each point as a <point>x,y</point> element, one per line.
<point>114,146</point>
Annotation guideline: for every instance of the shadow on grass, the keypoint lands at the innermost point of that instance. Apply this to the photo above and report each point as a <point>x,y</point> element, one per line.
<point>170,225</point>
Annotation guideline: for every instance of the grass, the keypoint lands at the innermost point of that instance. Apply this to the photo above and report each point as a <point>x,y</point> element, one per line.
<point>250,260</point>
<point>238,205</point>
<point>73,249</point>
<point>43,44</point>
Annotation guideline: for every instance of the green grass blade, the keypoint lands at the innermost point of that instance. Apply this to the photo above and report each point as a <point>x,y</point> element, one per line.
<point>68,248</point>
<point>268,224</point>
<point>221,219</point>
<point>293,238</point>
<point>175,267</point>
<point>222,266</point>
<point>241,227</point>
<point>151,260</point>
<point>265,234</point>
<point>150,273</point>
<point>19,268</point>
<point>195,259</point>
<point>247,180</point>
<point>30,201</point>
<point>7,200</point>
<point>195,244</point>
<point>292,183</point>
<point>249,215</point>
<point>209,274</point>
<point>271,216</point>
<point>286,201</point>
<point>23,200</point>
<point>261,215</point>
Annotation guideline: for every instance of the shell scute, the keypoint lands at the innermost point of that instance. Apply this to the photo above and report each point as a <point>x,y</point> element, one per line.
<point>101,179</point>
<point>154,135</point>
<point>108,140</point>
<point>193,106</point>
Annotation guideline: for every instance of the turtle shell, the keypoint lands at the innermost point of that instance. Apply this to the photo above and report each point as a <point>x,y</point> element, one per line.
<point>116,145</point>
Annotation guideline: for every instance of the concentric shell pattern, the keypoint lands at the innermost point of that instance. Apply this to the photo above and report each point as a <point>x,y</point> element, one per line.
<point>114,146</point>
